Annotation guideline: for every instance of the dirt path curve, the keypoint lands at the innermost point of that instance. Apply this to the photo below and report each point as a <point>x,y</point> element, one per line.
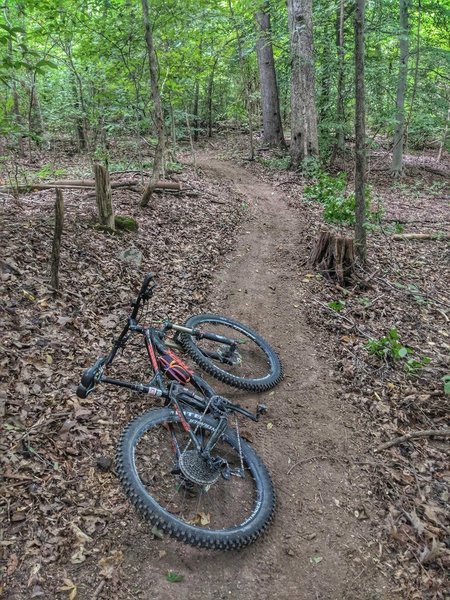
<point>316,548</point>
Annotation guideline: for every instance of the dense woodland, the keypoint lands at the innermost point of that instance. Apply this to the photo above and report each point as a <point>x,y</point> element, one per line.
<point>78,74</point>
<point>343,108</point>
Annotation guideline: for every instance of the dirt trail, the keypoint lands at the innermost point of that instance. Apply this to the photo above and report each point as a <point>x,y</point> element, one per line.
<point>316,547</point>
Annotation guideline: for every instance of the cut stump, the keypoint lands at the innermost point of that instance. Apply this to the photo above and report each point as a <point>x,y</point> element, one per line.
<point>334,257</point>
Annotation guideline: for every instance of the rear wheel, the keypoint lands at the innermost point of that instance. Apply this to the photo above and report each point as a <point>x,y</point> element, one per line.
<point>184,497</point>
<point>251,365</point>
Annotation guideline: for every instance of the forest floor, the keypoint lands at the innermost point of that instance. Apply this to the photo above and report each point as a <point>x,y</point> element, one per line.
<point>350,524</point>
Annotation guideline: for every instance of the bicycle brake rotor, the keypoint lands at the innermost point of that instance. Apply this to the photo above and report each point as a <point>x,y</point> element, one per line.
<point>195,468</point>
<point>232,358</point>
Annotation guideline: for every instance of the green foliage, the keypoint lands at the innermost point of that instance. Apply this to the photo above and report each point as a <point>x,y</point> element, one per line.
<point>336,305</point>
<point>327,187</point>
<point>311,167</point>
<point>389,347</point>
<point>125,223</point>
<point>173,577</point>
<point>446,381</point>
<point>413,291</point>
<point>174,167</point>
<point>339,205</point>
<point>281,162</point>
<point>48,171</point>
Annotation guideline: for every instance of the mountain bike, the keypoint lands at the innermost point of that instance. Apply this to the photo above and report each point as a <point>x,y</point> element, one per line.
<point>182,466</point>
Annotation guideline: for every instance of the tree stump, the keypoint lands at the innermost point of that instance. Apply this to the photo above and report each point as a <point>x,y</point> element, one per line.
<point>103,198</point>
<point>59,222</point>
<point>334,257</point>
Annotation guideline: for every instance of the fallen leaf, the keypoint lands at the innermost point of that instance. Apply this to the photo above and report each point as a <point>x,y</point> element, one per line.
<point>109,563</point>
<point>428,555</point>
<point>78,557</point>
<point>82,537</point>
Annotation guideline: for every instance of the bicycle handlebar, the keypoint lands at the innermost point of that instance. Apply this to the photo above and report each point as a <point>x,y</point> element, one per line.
<point>143,293</point>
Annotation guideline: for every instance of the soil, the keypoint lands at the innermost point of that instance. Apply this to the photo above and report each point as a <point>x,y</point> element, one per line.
<point>240,248</point>
<point>316,547</point>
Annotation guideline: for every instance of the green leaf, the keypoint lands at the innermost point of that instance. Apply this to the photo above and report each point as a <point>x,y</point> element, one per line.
<point>46,63</point>
<point>403,352</point>
<point>173,577</point>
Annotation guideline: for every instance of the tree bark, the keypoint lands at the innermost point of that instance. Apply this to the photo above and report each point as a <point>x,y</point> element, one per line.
<point>210,95</point>
<point>59,223</point>
<point>103,197</point>
<point>79,123</point>
<point>158,115</point>
<point>397,151</point>
<point>339,145</point>
<point>15,95</point>
<point>333,256</point>
<point>416,74</point>
<point>272,127</point>
<point>360,135</point>
<point>304,136</point>
<point>245,80</point>
<point>444,137</point>
<point>196,119</point>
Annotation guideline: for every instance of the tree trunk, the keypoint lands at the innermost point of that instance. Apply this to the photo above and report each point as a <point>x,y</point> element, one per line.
<point>158,115</point>
<point>444,137</point>
<point>210,95</point>
<point>272,127</point>
<point>103,197</point>
<point>195,114</point>
<point>339,145</point>
<point>397,151</point>
<point>304,137</point>
<point>59,223</point>
<point>35,123</point>
<point>245,80</point>
<point>15,95</point>
<point>416,75</point>
<point>360,135</point>
<point>79,124</point>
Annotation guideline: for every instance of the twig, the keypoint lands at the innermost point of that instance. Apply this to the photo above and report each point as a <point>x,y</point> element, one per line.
<point>301,462</point>
<point>288,182</point>
<point>352,323</point>
<point>412,435</point>
<point>98,589</point>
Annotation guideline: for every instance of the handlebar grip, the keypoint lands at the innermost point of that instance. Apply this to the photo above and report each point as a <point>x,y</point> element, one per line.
<point>147,279</point>
<point>82,392</point>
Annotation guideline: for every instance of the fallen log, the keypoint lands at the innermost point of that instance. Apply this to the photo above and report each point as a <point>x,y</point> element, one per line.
<point>421,236</point>
<point>86,184</point>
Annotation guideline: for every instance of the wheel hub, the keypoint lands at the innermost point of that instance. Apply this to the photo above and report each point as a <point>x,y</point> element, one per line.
<point>196,469</point>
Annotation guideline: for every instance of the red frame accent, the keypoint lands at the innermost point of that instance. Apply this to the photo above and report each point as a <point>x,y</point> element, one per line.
<point>179,362</point>
<point>151,354</point>
<point>183,421</point>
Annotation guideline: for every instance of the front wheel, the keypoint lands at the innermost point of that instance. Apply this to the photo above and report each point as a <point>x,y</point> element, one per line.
<point>171,487</point>
<point>249,364</point>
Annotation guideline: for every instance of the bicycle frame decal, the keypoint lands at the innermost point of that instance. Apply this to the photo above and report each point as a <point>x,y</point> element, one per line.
<point>183,421</point>
<point>151,353</point>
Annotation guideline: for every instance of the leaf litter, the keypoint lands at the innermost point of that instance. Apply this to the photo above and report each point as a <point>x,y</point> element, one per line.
<point>405,286</point>
<point>58,502</point>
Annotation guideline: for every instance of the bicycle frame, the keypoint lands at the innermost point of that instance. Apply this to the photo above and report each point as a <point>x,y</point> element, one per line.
<point>174,394</point>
